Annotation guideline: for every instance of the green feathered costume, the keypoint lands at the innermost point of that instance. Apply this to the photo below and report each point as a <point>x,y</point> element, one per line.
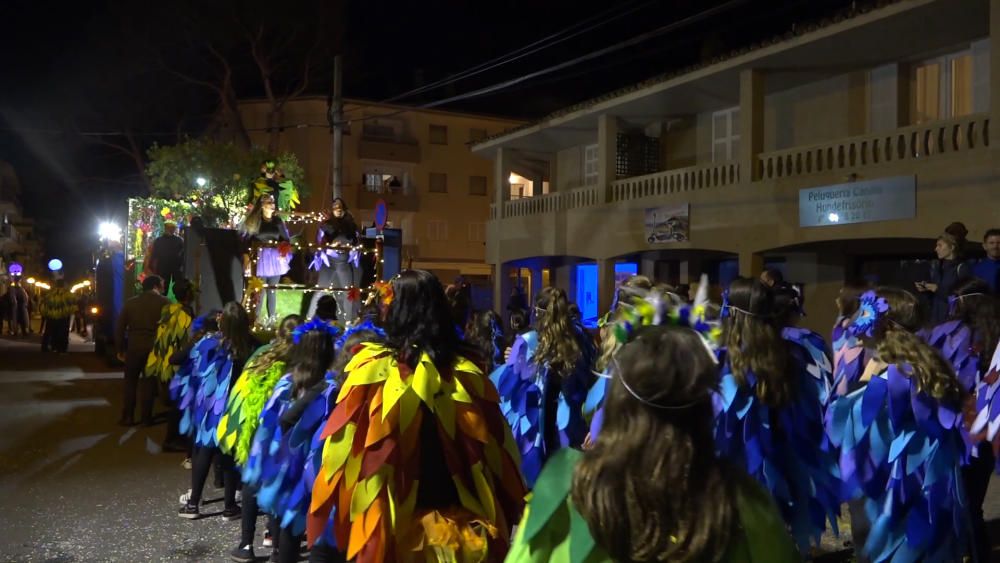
<point>171,335</point>
<point>246,401</point>
<point>552,530</point>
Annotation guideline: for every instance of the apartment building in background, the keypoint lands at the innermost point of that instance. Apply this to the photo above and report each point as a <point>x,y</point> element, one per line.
<point>840,151</point>
<point>18,240</point>
<point>419,161</point>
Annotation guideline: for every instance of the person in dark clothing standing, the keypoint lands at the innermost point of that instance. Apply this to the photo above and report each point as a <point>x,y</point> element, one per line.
<point>945,271</point>
<point>17,301</point>
<point>134,336</point>
<point>334,265</point>
<point>988,269</point>
<point>167,260</point>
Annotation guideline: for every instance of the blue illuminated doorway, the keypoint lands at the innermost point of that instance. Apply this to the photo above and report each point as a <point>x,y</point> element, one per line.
<point>586,291</point>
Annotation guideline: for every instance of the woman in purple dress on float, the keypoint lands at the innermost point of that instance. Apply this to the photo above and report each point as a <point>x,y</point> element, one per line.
<point>267,233</point>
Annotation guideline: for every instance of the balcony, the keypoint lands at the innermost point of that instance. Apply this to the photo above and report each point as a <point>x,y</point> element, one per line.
<point>389,149</point>
<point>968,134</point>
<point>559,201</point>
<point>396,200</point>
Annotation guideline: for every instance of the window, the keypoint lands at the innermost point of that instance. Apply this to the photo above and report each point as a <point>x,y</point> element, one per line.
<point>437,229</point>
<point>943,87</point>
<point>382,128</point>
<point>636,154</point>
<point>379,178</point>
<point>439,134</point>
<point>476,135</point>
<point>590,175</point>
<point>883,95</point>
<point>477,185</point>
<point>477,232</point>
<point>438,183</point>
<point>725,134</point>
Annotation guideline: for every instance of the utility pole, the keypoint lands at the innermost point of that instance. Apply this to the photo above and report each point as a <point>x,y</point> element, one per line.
<point>336,117</point>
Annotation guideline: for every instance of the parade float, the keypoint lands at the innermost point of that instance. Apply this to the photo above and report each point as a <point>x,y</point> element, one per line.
<point>208,208</point>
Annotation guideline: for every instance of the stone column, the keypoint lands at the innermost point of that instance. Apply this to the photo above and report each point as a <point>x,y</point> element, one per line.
<point>751,123</point>
<point>607,154</point>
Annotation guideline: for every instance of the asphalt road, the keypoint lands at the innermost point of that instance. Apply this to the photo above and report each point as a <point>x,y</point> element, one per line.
<point>76,487</point>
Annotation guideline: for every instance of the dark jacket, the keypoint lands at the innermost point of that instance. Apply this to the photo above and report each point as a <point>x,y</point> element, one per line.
<point>945,273</point>
<point>138,321</point>
<point>168,254</point>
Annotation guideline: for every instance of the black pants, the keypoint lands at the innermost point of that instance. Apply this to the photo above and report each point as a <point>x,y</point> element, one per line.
<point>248,526</point>
<point>200,468</point>
<point>56,335</point>
<point>135,365</point>
<point>288,545</point>
<point>325,554</point>
<point>173,414</point>
<point>976,478</point>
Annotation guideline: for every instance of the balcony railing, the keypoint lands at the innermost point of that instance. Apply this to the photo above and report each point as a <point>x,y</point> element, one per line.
<point>395,200</point>
<point>398,150</point>
<point>675,181</point>
<point>923,141</point>
<point>571,199</point>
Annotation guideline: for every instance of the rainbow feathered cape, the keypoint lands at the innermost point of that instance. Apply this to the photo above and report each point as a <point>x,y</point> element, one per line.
<point>371,471</point>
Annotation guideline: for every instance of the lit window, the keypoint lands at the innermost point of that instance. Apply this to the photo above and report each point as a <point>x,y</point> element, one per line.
<point>943,87</point>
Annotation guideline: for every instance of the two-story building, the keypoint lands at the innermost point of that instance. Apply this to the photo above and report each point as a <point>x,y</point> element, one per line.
<point>838,151</point>
<point>18,240</point>
<point>437,191</point>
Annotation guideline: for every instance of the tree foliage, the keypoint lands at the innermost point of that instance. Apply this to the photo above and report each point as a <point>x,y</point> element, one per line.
<point>228,171</point>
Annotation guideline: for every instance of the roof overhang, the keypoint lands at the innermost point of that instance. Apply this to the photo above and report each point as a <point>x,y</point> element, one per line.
<point>889,34</point>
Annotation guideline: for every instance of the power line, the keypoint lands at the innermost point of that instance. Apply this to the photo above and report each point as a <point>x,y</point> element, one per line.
<point>529,49</point>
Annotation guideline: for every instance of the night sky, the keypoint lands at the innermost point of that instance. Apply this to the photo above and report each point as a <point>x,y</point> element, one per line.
<point>73,72</point>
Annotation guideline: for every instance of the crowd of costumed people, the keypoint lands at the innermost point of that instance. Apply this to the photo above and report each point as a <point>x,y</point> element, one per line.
<point>679,430</point>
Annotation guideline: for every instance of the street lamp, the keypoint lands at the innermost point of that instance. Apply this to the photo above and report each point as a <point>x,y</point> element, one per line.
<point>55,265</point>
<point>201,181</point>
<point>31,281</point>
<point>109,231</point>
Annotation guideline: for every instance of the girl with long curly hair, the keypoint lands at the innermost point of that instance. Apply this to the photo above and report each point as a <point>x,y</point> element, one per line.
<point>967,340</point>
<point>901,436</point>
<point>544,382</point>
<point>417,463</point>
<point>769,413</point>
<point>652,487</point>
<point>265,232</point>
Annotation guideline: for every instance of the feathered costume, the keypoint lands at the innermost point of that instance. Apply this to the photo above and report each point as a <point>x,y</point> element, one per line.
<point>171,335</point>
<point>381,473</point>
<point>553,531</point>
<point>818,364</point>
<point>779,446</point>
<point>849,359</point>
<point>246,401</point>
<point>902,450</point>
<point>544,409</point>
<point>986,425</point>
<point>953,339</point>
<point>184,386</point>
<point>203,393</point>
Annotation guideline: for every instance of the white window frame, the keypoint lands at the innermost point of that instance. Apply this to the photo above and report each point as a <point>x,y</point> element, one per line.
<point>590,172</point>
<point>437,229</point>
<point>477,231</point>
<point>725,140</point>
